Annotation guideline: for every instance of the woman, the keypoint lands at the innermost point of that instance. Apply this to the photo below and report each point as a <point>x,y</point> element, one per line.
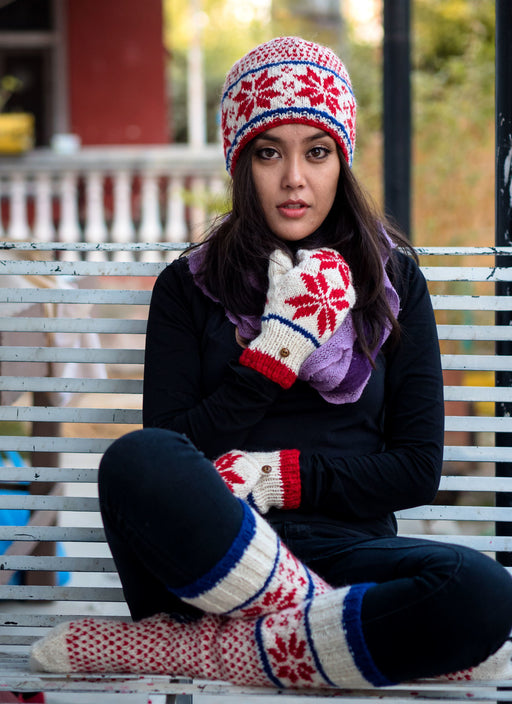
<point>292,403</point>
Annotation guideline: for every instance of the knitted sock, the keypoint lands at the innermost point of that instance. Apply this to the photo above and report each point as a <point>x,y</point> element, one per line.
<point>257,575</point>
<point>316,644</point>
<point>498,666</point>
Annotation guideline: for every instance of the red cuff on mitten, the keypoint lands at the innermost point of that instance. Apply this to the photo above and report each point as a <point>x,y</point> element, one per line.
<point>270,367</point>
<point>290,477</point>
<point>264,479</point>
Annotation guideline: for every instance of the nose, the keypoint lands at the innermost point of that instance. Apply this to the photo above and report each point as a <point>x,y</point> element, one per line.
<point>293,172</point>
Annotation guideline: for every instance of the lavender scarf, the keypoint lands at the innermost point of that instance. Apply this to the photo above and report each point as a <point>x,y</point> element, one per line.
<point>338,369</point>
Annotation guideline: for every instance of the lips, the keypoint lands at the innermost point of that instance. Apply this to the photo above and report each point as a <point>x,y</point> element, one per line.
<point>293,208</point>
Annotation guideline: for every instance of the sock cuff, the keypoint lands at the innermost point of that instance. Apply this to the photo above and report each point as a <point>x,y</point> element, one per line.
<point>353,628</point>
<point>243,569</point>
<point>336,639</point>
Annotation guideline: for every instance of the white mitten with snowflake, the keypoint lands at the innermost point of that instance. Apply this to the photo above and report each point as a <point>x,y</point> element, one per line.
<point>305,305</point>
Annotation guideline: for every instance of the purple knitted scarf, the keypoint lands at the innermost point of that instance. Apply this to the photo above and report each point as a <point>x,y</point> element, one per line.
<point>337,369</point>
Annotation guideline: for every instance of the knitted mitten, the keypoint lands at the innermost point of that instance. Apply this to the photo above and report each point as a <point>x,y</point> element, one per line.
<point>498,666</point>
<point>258,575</point>
<point>263,479</point>
<point>318,644</point>
<point>305,305</point>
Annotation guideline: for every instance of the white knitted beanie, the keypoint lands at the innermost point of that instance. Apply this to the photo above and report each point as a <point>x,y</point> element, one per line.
<point>282,81</point>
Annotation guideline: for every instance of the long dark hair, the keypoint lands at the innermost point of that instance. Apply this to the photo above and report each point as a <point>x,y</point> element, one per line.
<point>240,244</point>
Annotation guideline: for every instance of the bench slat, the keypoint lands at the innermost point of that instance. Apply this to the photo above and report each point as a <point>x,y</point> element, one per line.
<point>71,415</point>
<point>91,386</point>
<point>70,534</point>
<point>479,424</point>
<point>457,513</point>
<point>438,512</point>
<point>78,268</point>
<point>467,273</point>
<point>474,332</point>
<point>87,355</point>
<point>45,502</point>
<point>475,362</point>
<point>478,393</point>
<point>53,444</point>
<point>477,454</point>
<point>74,325</point>
<point>461,302</point>
<point>49,474</point>
<point>37,593</point>
<point>14,676</point>
<point>57,564</point>
<point>99,445</point>
<point>72,295</point>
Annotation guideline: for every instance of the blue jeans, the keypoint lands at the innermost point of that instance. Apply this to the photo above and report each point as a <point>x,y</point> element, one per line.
<point>169,518</point>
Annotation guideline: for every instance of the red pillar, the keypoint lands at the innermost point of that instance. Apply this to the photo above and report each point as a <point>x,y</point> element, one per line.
<point>116,66</point>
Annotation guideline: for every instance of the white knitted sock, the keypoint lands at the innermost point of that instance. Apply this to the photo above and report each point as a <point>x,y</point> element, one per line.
<point>257,575</point>
<point>498,666</point>
<point>317,644</point>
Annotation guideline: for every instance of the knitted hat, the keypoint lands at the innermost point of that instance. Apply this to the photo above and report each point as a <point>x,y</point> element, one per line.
<point>282,81</point>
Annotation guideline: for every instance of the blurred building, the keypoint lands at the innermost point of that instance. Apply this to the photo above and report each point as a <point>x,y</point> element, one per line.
<point>94,68</point>
<point>93,75</point>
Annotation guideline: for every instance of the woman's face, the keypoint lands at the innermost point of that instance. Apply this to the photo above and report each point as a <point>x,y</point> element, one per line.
<point>295,170</point>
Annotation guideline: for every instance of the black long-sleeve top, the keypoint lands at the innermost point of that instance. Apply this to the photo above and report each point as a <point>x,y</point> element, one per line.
<point>359,462</point>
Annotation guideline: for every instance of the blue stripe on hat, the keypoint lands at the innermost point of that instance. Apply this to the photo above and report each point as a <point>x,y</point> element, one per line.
<point>318,116</point>
<point>353,630</point>
<point>233,556</point>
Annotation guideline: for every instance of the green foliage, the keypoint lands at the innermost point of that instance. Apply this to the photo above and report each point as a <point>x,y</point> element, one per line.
<point>363,63</point>
<point>453,61</point>
<point>228,30</point>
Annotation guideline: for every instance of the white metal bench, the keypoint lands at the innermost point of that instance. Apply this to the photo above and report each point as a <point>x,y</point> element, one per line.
<point>97,410</point>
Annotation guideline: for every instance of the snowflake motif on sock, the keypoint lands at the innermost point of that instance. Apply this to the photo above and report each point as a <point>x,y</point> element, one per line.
<point>277,600</point>
<point>289,655</point>
<point>322,300</point>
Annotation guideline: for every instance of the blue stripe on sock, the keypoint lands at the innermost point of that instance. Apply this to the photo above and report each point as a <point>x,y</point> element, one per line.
<point>219,571</point>
<point>263,655</point>
<point>260,591</point>
<point>353,630</point>
<point>311,586</point>
<point>312,647</point>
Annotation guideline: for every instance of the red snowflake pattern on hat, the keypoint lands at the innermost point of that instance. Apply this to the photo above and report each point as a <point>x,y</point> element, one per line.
<point>319,91</point>
<point>256,93</point>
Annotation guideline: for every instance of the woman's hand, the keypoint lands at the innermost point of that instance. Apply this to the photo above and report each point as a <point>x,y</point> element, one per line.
<point>240,340</point>
<point>305,305</point>
<point>263,479</point>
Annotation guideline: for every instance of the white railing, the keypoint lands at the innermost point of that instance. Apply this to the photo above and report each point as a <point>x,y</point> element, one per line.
<point>111,194</point>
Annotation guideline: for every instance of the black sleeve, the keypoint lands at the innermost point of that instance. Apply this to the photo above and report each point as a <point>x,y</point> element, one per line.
<point>407,472</point>
<point>174,395</point>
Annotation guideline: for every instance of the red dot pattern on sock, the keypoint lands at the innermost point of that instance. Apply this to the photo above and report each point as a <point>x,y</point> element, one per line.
<point>242,651</point>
